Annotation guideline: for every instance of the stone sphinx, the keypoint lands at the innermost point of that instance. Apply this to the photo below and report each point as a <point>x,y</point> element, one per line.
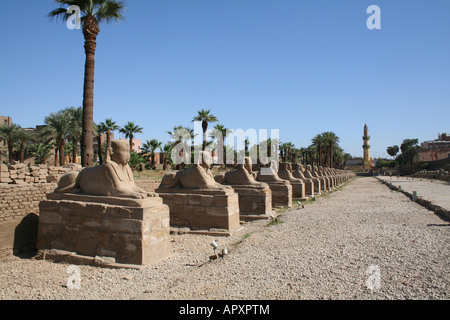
<point>98,216</point>
<point>297,172</point>
<point>112,179</point>
<point>317,184</point>
<point>328,179</point>
<point>281,189</point>
<point>255,198</point>
<point>298,186</point>
<point>199,203</point>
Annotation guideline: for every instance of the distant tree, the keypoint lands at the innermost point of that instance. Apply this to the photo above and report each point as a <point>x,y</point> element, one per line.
<point>22,136</point>
<point>108,127</point>
<point>75,129</point>
<point>205,117</point>
<point>392,151</point>
<point>8,134</point>
<point>58,124</point>
<point>150,147</point>
<point>130,129</point>
<point>410,152</point>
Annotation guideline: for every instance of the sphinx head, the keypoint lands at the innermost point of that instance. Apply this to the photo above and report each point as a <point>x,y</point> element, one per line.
<point>120,151</point>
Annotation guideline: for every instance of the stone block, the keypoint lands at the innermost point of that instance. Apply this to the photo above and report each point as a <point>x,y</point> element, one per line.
<point>125,231</point>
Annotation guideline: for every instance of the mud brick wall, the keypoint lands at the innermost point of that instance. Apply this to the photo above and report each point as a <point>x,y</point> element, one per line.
<point>16,201</point>
<point>21,173</point>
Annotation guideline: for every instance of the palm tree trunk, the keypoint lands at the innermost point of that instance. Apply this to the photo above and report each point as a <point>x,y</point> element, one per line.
<point>61,154</point>
<point>100,153</point>
<point>22,151</point>
<point>90,32</point>
<point>131,142</point>
<point>108,144</point>
<point>74,150</point>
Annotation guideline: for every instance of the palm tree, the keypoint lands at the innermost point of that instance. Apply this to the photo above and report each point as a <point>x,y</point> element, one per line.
<point>108,126</point>
<point>59,125</point>
<point>129,130</point>
<point>222,132</point>
<point>75,129</point>
<point>93,12</point>
<point>330,141</point>
<point>23,137</point>
<point>205,117</point>
<point>317,142</point>
<point>8,134</point>
<point>180,134</point>
<point>150,147</point>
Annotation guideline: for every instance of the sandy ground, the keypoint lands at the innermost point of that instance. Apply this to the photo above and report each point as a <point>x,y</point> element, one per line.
<point>363,241</point>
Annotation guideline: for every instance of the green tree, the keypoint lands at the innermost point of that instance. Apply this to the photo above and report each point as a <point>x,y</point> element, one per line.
<point>99,130</point>
<point>129,130</point>
<point>205,117</point>
<point>330,141</point>
<point>22,136</point>
<point>318,143</point>
<point>75,129</point>
<point>222,132</point>
<point>393,150</point>
<point>58,124</point>
<point>43,152</point>
<point>410,152</point>
<point>150,147</point>
<point>108,126</point>
<point>93,12</point>
<point>8,134</point>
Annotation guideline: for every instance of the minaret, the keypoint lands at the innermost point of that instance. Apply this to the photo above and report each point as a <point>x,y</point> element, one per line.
<point>366,148</point>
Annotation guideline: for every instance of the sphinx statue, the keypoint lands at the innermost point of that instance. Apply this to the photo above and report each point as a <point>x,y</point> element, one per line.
<point>112,179</point>
<point>298,186</point>
<point>197,177</point>
<point>317,184</point>
<point>199,203</point>
<point>255,198</point>
<point>297,172</point>
<point>243,175</point>
<point>281,189</point>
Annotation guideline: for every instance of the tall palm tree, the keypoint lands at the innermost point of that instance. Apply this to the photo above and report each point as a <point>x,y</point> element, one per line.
<point>129,130</point>
<point>205,117</point>
<point>8,134</point>
<point>92,13</point>
<point>222,132</point>
<point>75,129</point>
<point>318,143</point>
<point>108,126</point>
<point>330,141</point>
<point>58,124</point>
<point>150,147</point>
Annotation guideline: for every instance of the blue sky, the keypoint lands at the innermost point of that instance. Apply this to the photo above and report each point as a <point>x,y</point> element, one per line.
<point>300,66</point>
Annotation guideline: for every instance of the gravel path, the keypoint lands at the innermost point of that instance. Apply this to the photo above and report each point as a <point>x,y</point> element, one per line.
<point>323,251</point>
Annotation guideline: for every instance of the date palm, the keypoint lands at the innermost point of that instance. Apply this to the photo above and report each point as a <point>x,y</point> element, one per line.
<point>58,125</point>
<point>22,136</point>
<point>8,134</point>
<point>150,147</point>
<point>75,129</point>
<point>129,130</point>
<point>205,117</point>
<point>108,126</point>
<point>92,13</point>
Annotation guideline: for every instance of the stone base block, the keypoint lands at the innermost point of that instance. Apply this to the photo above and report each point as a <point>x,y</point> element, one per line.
<point>281,194</point>
<point>120,231</point>
<point>204,211</point>
<point>255,202</point>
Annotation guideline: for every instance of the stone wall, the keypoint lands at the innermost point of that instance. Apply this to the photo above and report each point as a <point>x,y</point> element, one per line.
<point>21,173</point>
<point>17,201</point>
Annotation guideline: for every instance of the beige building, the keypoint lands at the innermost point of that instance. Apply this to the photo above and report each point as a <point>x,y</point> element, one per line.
<point>433,150</point>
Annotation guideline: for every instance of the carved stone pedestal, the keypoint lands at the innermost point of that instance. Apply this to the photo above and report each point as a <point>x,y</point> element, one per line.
<point>255,202</point>
<point>103,231</point>
<point>203,211</point>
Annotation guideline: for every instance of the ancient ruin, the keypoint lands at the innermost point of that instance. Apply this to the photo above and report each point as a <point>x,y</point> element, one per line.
<point>199,203</point>
<point>297,172</point>
<point>298,186</point>
<point>281,189</point>
<point>255,198</point>
<point>98,216</point>
<point>317,184</point>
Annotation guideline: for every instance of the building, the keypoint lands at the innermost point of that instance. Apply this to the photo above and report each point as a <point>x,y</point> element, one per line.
<point>366,148</point>
<point>433,150</point>
<point>137,145</point>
